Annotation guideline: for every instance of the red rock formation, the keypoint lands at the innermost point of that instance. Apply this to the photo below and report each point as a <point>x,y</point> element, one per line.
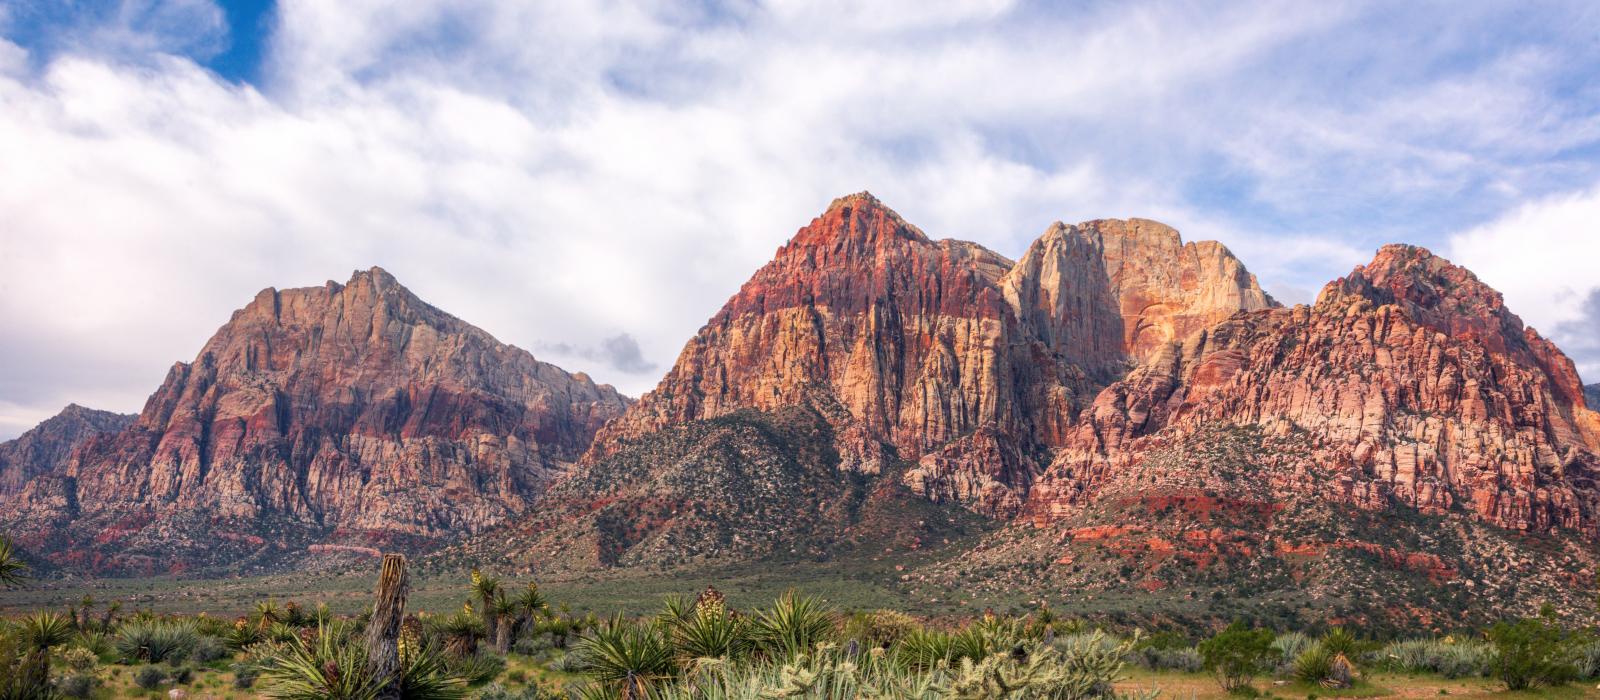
<point>941,352</point>
<point>45,448</point>
<point>1409,378</point>
<point>351,406</point>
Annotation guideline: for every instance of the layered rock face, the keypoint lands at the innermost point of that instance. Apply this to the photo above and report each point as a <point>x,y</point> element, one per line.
<point>1409,383</point>
<point>46,447</point>
<point>352,408</point>
<point>943,353</point>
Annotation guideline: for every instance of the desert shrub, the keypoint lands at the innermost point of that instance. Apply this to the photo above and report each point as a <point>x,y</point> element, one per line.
<point>181,674</point>
<point>1237,655</point>
<point>209,626</point>
<point>495,691</point>
<point>478,668</point>
<point>879,628</point>
<point>532,645</point>
<point>1182,659</point>
<point>1451,659</point>
<point>77,685</point>
<point>1531,652</point>
<point>79,659</point>
<point>149,677</point>
<point>156,640</point>
<point>24,671</point>
<point>244,675</point>
<point>208,649</point>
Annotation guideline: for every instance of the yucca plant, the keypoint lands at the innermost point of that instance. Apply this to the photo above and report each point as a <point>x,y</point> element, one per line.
<point>487,588</point>
<point>242,634</point>
<point>711,633</point>
<point>504,612</point>
<point>628,657</point>
<point>461,633</point>
<point>266,614</point>
<point>332,665</point>
<point>156,640</point>
<point>794,625</point>
<point>13,570</point>
<point>44,630</point>
<point>1313,665</point>
<point>531,604</point>
<point>923,649</point>
<point>1340,641</point>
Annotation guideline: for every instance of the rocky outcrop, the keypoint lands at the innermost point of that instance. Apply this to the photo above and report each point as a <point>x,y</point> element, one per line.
<point>46,448</point>
<point>1410,382</point>
<point>1157,288</point>
<point>342,411</point>
<point>941,353</point>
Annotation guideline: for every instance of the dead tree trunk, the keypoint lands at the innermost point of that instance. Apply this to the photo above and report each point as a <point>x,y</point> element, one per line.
<point>383,631</point>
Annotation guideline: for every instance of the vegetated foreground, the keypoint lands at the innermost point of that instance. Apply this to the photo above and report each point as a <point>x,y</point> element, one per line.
<point>483,636</point>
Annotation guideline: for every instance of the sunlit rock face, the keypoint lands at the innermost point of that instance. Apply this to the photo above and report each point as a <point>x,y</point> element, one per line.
<point>943,354</point>
<point>1410,381</point>
<point>353,408</point>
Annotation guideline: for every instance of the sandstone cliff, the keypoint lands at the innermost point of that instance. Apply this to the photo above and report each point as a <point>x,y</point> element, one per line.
<point>943,354</point>
<point>1409,381</point>
<point>343,411</point>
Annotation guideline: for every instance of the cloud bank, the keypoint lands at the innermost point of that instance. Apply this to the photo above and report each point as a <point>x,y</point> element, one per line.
<point>593,179</point>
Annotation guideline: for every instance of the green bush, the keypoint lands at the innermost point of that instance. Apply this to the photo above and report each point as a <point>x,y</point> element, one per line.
<point>150,677</point>
<point>78,685</point>
<point>478,668</point>
<point>244,675</point>
<point>208,649</point>
<point>1237,655</point>
<point>879,628</point>
<point>1531,652</point>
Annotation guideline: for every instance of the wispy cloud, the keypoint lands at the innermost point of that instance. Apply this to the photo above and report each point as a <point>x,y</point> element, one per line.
<point>556,171</point>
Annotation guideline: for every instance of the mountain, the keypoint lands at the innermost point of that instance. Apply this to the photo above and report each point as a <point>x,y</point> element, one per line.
<point>1127,415</point>
<point>943,351</point>
<point>876,370</point>
<point>349,415</point>
<point>49,444</point>
<point>1406,434</point>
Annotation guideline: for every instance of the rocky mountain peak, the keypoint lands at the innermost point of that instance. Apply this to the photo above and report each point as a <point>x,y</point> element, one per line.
<point>853,226</point>
<point>348,413</point>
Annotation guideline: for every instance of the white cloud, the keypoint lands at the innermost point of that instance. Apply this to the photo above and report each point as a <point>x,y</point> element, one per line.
<point>1542,256</point>
<point>566,174</point>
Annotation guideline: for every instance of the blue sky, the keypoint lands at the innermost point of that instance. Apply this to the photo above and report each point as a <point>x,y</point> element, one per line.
<point>590,180</point>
